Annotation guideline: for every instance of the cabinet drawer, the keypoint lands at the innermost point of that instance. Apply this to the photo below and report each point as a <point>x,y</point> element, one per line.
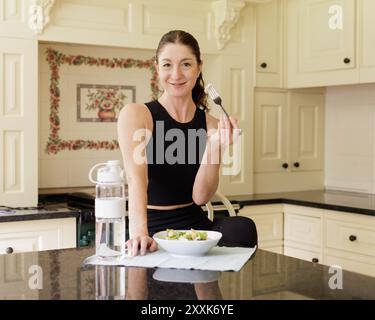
<point>303,254</point>
<point>351,265</point>
<point>25,236</point>
<point>303,229</point>
<point>269,226</point>
<point>15,243</point>
<point>352,237</point>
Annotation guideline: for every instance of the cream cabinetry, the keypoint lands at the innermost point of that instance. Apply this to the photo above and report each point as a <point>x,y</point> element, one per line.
<point>303,236</point>
<point>269,44</point>
<point>330,42</point>
<point>366,26</point>
<point>269,222</point>
<point>318,235</point>
<point>321,43</point>
<point>18,122</point>
<point>36,235</point>
<point>350,241</point>
<point>288,140</point>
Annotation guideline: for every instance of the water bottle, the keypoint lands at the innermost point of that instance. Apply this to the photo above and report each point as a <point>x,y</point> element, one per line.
<point>110,206</point>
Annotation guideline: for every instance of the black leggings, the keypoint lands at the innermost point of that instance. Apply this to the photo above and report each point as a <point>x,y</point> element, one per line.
<point>237,231</point>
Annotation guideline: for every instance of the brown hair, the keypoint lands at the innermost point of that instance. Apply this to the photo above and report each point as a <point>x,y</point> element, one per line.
<point>185,38</point>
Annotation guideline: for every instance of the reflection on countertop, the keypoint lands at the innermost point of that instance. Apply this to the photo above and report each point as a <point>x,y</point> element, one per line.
<point>60,274</point>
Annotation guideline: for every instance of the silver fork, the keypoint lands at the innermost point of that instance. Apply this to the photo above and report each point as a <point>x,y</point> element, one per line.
<point>210,90</point>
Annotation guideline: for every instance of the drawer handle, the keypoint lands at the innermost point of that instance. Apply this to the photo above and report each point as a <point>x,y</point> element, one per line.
<point>352,238</point>
<point>285,165</point>
<point>9,250</point>
<point>263,65</point>
<point>315,260</point>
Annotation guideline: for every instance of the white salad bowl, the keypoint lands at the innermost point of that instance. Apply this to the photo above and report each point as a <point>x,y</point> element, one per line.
<point>187,247</point>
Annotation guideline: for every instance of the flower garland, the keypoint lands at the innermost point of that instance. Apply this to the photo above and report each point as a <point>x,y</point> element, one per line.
<point>55,59</point>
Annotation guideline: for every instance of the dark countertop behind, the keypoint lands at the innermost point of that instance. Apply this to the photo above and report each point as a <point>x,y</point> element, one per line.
<point>266,276</point>
<point>325,199</point>
<point>56,206</point>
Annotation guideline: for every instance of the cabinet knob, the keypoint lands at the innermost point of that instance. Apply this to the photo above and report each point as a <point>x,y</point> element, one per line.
<point>296,164</point>
<point>263,65</point>
<point>346,60</point>
<point>315,260</point>
<point>9,250</point>
<point>352,238</point>
<point>285,165</point>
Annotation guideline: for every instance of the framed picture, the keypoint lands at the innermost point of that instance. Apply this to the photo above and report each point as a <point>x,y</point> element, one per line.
<point>102,103</point>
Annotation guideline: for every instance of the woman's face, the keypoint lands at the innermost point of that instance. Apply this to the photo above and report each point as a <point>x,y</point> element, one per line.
<point>178,69</point>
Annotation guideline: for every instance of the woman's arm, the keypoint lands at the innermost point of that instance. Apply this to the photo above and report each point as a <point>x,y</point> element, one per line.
<point>207,178</point>
<point>134,121</point>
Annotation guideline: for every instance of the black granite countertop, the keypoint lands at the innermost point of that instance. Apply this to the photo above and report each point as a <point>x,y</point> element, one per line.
<point>60,274</point>
<point>361,203</point>
<point>47,211</point>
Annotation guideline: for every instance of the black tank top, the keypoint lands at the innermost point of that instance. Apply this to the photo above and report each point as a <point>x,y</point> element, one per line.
<point>174,154</point>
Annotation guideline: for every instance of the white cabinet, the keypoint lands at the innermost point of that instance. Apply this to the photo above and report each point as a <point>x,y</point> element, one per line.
<point>318,235</point>
<point>18,122</point>
<point>269,222</point>
<point>303,237</point>
<point>288,140</point>
<point>321,43</point>
<point>330,42</point>
<point>36,235</point>
<point>269,44</point>
<point>367,40</point>
<point>350,241</point>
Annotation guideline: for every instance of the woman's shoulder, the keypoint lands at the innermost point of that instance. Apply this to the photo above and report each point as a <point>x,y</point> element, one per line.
<point>135,112</point>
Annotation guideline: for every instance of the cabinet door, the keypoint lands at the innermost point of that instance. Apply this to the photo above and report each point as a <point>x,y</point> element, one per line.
<point>326,36</point>
<point>307,132</point>
<point>269,44</point>
<point>321,42</point>
<point>270,131</point>
<point>18,122</point>
<point>367,40</point>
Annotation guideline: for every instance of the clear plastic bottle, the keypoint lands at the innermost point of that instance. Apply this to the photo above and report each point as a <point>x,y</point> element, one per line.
<point>110,207</point>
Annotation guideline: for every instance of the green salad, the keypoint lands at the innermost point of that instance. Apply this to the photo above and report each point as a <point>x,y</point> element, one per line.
<point>191,235</point>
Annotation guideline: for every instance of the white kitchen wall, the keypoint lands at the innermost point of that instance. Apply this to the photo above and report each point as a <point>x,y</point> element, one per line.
<point>350,138</point>
<point>69,168</point>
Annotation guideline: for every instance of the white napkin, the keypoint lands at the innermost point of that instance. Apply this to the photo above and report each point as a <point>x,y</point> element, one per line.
<point>217,259</point>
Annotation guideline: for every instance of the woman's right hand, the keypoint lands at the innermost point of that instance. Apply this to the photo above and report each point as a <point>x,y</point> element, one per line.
<point>140,244</point>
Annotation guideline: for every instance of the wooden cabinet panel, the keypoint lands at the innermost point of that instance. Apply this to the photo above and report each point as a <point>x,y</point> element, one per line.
<point>37,235</point>
<point>302,229</point>
<point>270,131</point>
<point>308,255</point>
<point>351,237</point>
<point>367,40</point>
<point>307,132</point>
<point>322,43</point>
<point>269,44</point>
<point>326,36</point>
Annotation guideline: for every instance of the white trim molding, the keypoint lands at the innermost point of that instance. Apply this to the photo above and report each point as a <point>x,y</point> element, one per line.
<point>227,13</point>
<point>39,14</point>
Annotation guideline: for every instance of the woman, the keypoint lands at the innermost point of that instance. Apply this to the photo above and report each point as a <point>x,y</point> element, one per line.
<point>168,189</point>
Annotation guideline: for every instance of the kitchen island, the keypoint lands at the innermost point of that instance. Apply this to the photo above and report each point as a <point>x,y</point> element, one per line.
<point>60,274</point>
